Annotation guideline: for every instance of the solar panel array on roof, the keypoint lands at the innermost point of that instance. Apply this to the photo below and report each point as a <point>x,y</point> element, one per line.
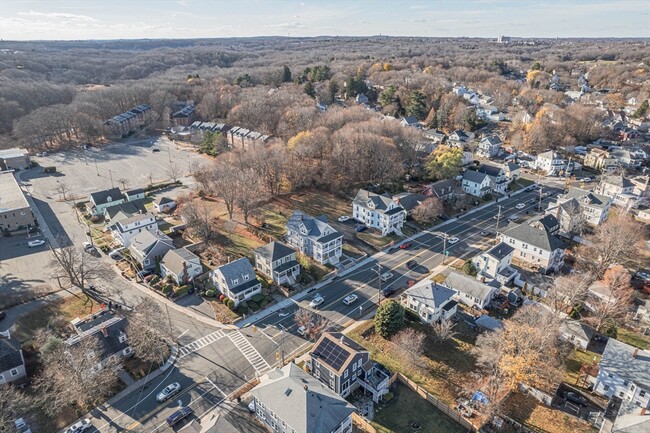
<point>332,354</point>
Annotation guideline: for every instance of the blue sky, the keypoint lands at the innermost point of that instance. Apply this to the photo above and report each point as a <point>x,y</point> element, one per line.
<point>125,19</point>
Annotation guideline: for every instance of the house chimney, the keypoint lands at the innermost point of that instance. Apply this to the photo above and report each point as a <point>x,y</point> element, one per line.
<point>635,353</point>
<point>104,331</point>
<point>342,339</point>
<point>306,388</point>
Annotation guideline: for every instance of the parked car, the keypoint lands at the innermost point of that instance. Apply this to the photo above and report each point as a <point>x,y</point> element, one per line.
<point>360,228</point>
<point>529,189</point>
<point>88,246</point>
<point>344,218</point>
<point>350,299</point>
<point>80,426</point>
<point>3,314</point>
<point>405,246</point>
<point>168,391</point>
<point>116,254</point>
<point>642,276</point>
<point>179,415</point>
<point>251,406</point>
<point>36,243</point>
<point>387,291</point>
<point>485,233</point>
<point>411,264</point>
<point>318,299</point>
<point>452,240</point>
<point>513,218</point>
<point>576,398</point>
<point>301,330</point>
<point>585,179</point>
<point>520,206</point>
<point>155,149</point>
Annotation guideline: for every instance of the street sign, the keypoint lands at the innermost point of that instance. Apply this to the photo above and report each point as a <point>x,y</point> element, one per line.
<point>447,252</point>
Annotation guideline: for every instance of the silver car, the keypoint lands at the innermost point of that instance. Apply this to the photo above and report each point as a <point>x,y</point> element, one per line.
<point>168,391</point>
<point>79,427</point>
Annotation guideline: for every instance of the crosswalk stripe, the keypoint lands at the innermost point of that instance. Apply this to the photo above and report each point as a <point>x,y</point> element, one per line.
<point>246,348</point>
<point>200,343</point>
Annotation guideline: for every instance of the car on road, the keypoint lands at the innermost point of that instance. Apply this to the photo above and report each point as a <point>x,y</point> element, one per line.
<point>576,398</point>
<point>155,149</point>
<point>387,291</point>
<point>3,314</point>
<point>168,391</point>
<point>529,189</point>
<point>350,299</point>
<point>179,415</point>
<point>344,218</point>
<point>36,243</point>
<point>495,217</point>
<point>520,206</point>
<point>585,179</point>
<point>88,246</point>
<point>318,299</point>
<point>406,246</point>
<point>80,426</point>
<point>360,228</point>
<point>411,264</point>
<point>513,218</point>
<point>532,201</point>
<point>386,276</point>
<point>452,240</point>
<point>485,233</point>
<point>301,330</point>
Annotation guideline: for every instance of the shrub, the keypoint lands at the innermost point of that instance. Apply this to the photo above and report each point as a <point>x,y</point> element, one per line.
<point>387,397</point>
<point>222,298</point>
<point>167,289</point>
<point>257,298</point>
<point>470,269</point>
<point>210,293</point>
<point>182,290</point>
<point>389,318</point>
<point>253,306</point>
<point>411,316</point>
<point>154,280</point>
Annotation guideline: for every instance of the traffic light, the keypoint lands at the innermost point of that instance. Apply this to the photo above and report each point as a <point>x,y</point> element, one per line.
<point>277,356</point>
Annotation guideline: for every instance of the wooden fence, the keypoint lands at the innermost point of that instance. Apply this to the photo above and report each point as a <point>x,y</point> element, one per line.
<point>362,423</point>
<point>444,408</point>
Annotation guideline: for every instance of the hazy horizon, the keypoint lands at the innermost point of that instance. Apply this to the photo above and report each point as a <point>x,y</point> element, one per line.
<point>33,20</point>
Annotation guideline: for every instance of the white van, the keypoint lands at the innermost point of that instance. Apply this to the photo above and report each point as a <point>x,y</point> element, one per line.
<point>116,254</point>
<point>386,276</point>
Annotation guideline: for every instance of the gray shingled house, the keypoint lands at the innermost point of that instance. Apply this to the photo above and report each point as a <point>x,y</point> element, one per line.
<point>288,400</point>
<point>12,362</point>
<point>237,280</point>
<point>278,262</point>
<point>314,237</point>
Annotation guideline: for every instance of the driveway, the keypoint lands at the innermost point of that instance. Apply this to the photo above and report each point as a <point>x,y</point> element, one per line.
<point>571,407</point>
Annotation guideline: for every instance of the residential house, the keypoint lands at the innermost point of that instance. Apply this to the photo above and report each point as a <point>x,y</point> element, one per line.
<point>488,323</point>
<point>408,201</point>
<point>278,262</point>
<point>12,361</point>
<point>629,158</point>
<point>496,264</point>
<point>343,366</point>
<point>237,280</point>
<point>641,187</point>
<point>361,99</point>
<point>458,138</point>
<point>242,137</point>
<point>135,194</point>
<point>314,237</point>
<point>410,121</point>
<point>631,417</point>
<point>497,176</point>
<point>181,265</point>
<point>643,215</point>
<point>127,122</point>
<point>535,247</point>
<point>100,200</point>
<point>624,372</point>
<point>446,190</point>
<point>14,159</point>
<point>600,159</point>
<point>149,247</point>
<point>489,146</point>
<point>431,301</point>
<point>434,135</point>
<point>477,184</point>
<point>620,189</point>
<point>124,230</point>
<point>121,211</point>
<point>379,211</point>
<point>15,213</point>
<point>576,333</point>
<point>164,204</point>
<point>185,116</point>
<point>110,331</point>
<point>472,292</point>
<point>580,205</point>
<point>550,163</point>
<point>288,400</point>
<point>512,171</point>
<point>545,222</point>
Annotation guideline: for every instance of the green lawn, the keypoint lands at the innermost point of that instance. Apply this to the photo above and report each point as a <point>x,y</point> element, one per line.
<point>574,362</point>
<point>632,338</point>
<point>407,407</point>
<point>378,241</point>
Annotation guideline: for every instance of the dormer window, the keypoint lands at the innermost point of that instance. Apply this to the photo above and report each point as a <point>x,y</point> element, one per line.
<point>245,277</point>
<point>235,281</point>
<point>121,337</point>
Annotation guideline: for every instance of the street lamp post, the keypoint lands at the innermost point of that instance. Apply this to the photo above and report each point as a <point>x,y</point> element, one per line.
<point>378,270</point>
<point>496,231</point>
<point>444,237</point>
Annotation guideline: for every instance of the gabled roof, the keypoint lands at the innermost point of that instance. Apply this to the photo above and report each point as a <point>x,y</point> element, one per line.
<point>381,202</point>
<point>135,191</point>
<point>492,140</point>
<point>302,401</point>
<point>474,176</point>
<point>500,251</point>
<point>511,166</point>
<point>10,354</point>
<point>548,155</point>
<point>316,227</point>
<point>489,323</point>
<point>274,251</point>
<point>460,134</point>
<point>238,270</point>
<point>336,351</point>
<point>163,200</point>
<point>548,222</point>
<point>469,285</point>
<point>105,326</point>
<point>490,170</point>
<point>410,120</point>
<point>442,188</point>
<point>128,208</point>
<point>408,200</point>
<point>101,197</point>
<point>174,259</point>
<point>576,328</point>
<point>431,294</point>
<point>618,358</point>
<point>582,195</point>
<point>618,181</point>
<point>144,241</point>
<point>537,237</point>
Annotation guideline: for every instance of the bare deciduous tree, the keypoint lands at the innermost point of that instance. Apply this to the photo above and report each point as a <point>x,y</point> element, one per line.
<point>567,291</point>
<point>147,332</point>
<point>427,211</point>
<point>444,330</point>
<point>124,182</point>
<point>610,299</point>
<point>410,344</point>
<point>197,218</point>
<point>14,404</point>
<point>62,187</point>
<point>224,181</point>
<point>314,324</point>
<point>173,171</point>
<point>74,266</point>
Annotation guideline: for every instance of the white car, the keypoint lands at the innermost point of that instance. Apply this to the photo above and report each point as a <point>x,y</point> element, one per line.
<point>344,218</point>
<point>520,206</point>
<point>168,391</point>
<point>452,240</point>
<point>36,243</point>
<point>88,246</point>
<point>350,299</point>
<point>80,426</point>
<point>318,299</point>
<point>586,179</point>
<point>301,330</point>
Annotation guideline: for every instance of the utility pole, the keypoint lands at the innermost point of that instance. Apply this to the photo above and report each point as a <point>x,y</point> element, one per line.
<point>496,231</point>
<point>540,196</point>
<point>378,270</point>
<point>110,173</point>
<point>96,169</point>
<point>444,249</point>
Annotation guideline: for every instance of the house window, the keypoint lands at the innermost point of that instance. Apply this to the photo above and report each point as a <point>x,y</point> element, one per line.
<point>345,375</point>
<point>14,372</point>
<point>245,277</point>
<point>235,281</point>
<point>605,388</point>
<point>641,393</point>
<point>127,351</point>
